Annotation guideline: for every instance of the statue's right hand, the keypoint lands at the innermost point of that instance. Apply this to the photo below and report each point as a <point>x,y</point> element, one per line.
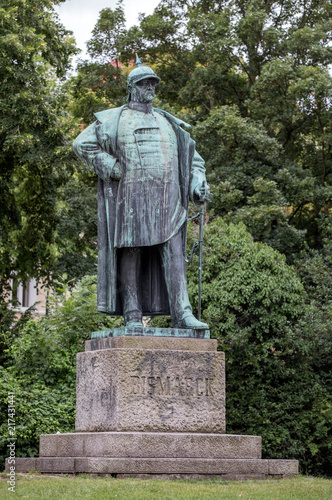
<point>117,171</point>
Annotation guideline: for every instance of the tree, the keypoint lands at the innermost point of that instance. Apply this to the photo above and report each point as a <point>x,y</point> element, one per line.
<point>101,80</point>
<point>35,157</point>
<point>252,77</point>
<point>252,74</point>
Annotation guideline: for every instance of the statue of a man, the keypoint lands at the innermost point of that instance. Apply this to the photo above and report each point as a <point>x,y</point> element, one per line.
<point>148,169</point>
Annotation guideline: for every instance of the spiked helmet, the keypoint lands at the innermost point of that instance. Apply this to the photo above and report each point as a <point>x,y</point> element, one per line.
<point>140,73</point>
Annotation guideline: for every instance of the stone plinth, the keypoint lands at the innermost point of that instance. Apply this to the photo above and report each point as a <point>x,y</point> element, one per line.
<point>141,331</point>
<point>153,407</point>
<point>154,343</point>
<point>132,389</point>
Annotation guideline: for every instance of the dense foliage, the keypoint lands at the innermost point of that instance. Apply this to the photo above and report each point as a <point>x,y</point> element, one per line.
<point>277,340</point>
<point>35,159</point>
<point>41,366</point>
<point>252,78</point>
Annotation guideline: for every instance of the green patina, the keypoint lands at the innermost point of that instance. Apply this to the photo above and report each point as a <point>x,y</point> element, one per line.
<point>151,332</point>
<point>148,170</point>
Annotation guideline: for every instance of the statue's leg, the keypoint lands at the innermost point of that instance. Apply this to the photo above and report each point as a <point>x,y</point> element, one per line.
<point>130,268</point>
<point>175,277</point>
<point>176,282</point>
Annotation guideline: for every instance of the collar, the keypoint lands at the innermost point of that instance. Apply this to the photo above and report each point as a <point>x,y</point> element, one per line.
<point>145,107</point>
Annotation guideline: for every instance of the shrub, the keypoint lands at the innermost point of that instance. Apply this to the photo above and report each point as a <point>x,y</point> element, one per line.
<point>261,314</point>
<point>41,369</point>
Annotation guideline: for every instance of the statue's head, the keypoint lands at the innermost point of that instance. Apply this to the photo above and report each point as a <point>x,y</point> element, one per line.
<point>141,83</point>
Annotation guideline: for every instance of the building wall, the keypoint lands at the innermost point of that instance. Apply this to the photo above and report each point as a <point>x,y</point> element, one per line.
<point>28,294</point>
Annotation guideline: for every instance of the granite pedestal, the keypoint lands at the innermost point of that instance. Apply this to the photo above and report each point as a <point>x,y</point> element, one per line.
<point>156,390</point>
<point>153,407</point>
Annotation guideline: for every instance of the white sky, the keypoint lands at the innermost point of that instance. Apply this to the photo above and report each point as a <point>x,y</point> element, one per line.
<point>80,16</point>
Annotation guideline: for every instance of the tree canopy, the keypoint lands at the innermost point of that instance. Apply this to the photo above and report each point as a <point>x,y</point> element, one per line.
<point>35,159</point>
<point>252,78</point>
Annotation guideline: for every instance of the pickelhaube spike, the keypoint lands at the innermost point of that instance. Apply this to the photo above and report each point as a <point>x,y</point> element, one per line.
<point>140,73</point>
<point>138,62</point>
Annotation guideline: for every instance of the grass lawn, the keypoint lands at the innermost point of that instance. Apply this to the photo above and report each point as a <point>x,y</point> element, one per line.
<point>61,487</point>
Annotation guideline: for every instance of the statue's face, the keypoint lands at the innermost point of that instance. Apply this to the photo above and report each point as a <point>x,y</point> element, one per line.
<point>144,90</point>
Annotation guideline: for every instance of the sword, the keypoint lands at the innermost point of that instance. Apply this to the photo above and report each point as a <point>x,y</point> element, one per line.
<point>200,257</point>
<point>199,244</point>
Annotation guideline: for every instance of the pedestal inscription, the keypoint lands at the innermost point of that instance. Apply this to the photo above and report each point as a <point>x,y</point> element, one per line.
<point>150,390</point>
<point>170,386</point>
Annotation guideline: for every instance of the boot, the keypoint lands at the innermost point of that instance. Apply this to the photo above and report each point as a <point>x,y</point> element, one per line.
<point>191,323</point>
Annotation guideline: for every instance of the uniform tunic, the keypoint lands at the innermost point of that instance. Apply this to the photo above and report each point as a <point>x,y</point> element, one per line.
<point>149,210</point>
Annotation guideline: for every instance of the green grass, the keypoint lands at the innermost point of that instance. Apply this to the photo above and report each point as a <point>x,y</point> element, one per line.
<point>80,487</point>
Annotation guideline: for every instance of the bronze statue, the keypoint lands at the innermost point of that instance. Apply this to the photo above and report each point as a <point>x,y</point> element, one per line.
<point>148,169</point>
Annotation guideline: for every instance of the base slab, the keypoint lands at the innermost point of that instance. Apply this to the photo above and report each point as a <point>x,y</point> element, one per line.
<point>131,467</point>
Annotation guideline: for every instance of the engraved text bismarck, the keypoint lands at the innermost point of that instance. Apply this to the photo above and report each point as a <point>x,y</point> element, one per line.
<point>170,386</point>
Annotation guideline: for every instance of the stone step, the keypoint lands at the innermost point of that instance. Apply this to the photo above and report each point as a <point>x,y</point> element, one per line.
<point>162,467</point>
<point>150,445</point>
